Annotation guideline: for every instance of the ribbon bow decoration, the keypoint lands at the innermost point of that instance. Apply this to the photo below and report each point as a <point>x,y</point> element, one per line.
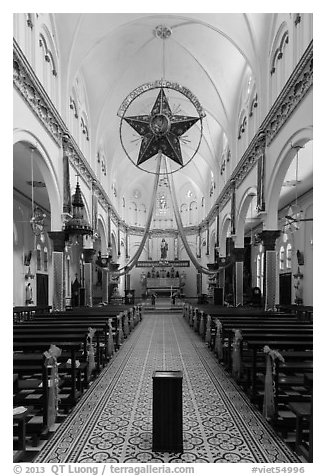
<point>236,354</point>
<point>110,339</point>
<point>136,318</point>
<point>119,330</point>
<point>208,330</point>
<point>90,353</point>
<point>126,323</point>
<point>218,347</point>
<point>201,324</point>
<point>196,319</point>
<point>51,357</point>
<point>272,356</point>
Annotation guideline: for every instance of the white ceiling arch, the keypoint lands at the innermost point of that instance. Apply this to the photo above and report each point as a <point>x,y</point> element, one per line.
<point>209,53</point>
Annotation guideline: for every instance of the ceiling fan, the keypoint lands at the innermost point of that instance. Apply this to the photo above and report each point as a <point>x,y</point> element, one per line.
<point>38,216</point>
<point>297,220</point>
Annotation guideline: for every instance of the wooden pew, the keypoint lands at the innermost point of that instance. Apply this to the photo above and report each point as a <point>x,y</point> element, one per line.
<point>89,321</point>
<point>26,366</point>
<point>22,313</point>
<point>268,331</point>
<point>64,328</point>
<point>71,349</point>
<point>287,343</point>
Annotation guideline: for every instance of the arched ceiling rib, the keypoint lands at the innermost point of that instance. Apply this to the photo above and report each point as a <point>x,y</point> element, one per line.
<point>207,52</point>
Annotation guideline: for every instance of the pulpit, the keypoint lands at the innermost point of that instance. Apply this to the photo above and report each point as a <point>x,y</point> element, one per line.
<point>167,411</point>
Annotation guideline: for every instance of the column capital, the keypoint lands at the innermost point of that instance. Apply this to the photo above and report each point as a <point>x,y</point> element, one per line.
<point>66,144</point>
<point>89,254</point>
<point>268,238</point>
<point>58,239</point>
<point>238,254</point>
<point>261,141</point>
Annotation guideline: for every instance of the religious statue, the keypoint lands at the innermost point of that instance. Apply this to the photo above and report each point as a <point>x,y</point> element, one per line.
<point>28,294</point>
<point>298,286</point>
<point>164,249</point>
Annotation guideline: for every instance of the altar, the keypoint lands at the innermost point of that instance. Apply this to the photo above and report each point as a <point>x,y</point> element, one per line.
<point>163,285</point>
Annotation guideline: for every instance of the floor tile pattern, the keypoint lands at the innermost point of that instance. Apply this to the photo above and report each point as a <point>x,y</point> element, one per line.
<point>113,420</point>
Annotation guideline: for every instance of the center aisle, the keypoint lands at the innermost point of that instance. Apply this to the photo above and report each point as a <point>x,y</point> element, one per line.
<point>113,420</point>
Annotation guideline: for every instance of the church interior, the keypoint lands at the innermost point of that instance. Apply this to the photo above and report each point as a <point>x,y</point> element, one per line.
<point>162,238</point>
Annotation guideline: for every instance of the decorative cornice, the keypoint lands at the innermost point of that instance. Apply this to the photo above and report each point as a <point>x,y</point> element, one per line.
<point>30,88</point>
<point>292,94</point>
<point>32,91</point>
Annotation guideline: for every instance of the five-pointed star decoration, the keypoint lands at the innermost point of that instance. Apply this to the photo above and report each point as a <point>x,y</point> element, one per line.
<point>160,131</point>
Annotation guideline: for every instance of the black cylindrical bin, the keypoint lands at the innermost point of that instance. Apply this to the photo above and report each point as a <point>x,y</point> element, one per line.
<point>167,411</point>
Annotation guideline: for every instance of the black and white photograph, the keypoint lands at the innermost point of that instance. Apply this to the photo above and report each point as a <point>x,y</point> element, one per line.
<point>162,263</point>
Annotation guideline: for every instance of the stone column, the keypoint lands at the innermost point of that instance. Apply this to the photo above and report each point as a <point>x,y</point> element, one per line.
<point>119,240</point>
<point>150,244</point>
<point>221,277</point>
<point>127,243</point>
<point>199,244</point>
<point>233,206</point>
<point>176,247</point>
<point>217,227</point>
<point>58,243</point>
<point>207,238</point>
<point>261,145</point>
<point>88,275</point>
<point>105,285</point>
<point>268,239</point>
<point>66,179</point>
<point>239,259</point>
<point>109,227</point>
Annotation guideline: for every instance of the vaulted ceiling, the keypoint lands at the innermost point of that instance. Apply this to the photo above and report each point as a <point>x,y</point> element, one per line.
<point>208,53</point>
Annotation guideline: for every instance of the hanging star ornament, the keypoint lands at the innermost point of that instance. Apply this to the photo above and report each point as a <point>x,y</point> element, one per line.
<point>161,131</point>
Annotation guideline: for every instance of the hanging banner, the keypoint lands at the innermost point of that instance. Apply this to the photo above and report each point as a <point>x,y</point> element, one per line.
<point>197,265</point>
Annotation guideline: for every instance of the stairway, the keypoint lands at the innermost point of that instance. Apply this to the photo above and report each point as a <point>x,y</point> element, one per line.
<point>162,306</point>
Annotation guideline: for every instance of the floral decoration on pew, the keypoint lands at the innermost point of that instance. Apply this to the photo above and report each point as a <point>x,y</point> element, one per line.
<point>201,324</point>
<point>272,356</point>
<point>90,352</point>
<point>126,323</point>
<point>208,330</point>
<point>236,354</point>
<point>110,338</point>
<point>51,360</point>
<point>218,347</point>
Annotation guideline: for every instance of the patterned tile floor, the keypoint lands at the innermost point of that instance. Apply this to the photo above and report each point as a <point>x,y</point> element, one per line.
<point>113,420</point>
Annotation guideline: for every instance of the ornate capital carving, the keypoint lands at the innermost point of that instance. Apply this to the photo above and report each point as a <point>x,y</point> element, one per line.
<point>238,254</point>
<point>89,254</point>
<point>58,240</point>
<point>268,238</point>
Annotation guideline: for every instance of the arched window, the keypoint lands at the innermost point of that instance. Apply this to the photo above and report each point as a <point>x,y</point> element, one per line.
<point>262,272</point>
<point>38,258</point>
<point>45,257</point>
<point>193,215</point>
<point>68,284</point>
<point>281,258</point>
<point>183,214</point>
<point>50,63</point>
<point>289,256</point>
<point>279,62</point>
<point>258,271</point>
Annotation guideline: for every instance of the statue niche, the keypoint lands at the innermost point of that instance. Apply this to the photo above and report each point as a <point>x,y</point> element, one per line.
<point>164,249</point>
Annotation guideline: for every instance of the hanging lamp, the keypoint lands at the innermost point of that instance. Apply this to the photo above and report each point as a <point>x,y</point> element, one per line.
<point>38,216</point>
<point>78,225</point>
